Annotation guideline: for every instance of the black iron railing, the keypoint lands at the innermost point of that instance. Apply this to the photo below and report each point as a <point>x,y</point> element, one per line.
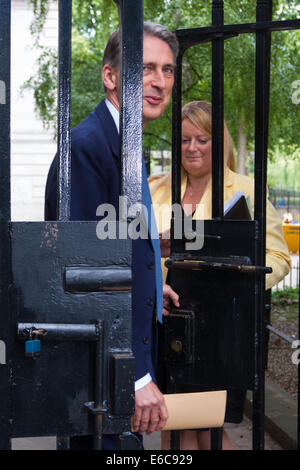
<point>217,34</point>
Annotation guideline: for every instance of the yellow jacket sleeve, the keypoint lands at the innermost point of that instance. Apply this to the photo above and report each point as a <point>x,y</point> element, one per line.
<point>277,254</point>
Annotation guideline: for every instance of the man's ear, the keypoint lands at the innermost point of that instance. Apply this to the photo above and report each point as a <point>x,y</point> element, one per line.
<point>109,77</point>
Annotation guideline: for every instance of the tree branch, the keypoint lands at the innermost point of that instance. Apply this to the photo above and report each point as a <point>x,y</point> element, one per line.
<point>150,134</point>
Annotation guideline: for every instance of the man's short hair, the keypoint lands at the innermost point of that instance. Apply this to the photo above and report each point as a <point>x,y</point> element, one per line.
<point>112,53</point>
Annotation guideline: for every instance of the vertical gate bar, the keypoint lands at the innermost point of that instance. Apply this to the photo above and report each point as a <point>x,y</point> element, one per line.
<point>217,113</point>
<point>298,398</point>
<point>64,110</point>
<point>298,408</point>
<point>131,100</point>
<point>176,138</point>
<point>216,438</point>
<point>262,79</point>
<point>5,215</point>
<point>131,19</point>
<point>217,140</point>
<point>175,440</point>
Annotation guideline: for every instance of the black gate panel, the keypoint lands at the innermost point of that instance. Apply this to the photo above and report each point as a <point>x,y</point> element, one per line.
<point>217,289</point>
<point>75,292</point>
<point>215,312</point>
<point>227,285</point>
<point>67,367</point>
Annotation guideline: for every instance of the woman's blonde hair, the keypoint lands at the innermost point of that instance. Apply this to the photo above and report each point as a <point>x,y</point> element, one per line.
<point>199,113</point>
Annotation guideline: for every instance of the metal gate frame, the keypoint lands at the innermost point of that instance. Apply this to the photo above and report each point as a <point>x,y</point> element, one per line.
<point>217,33</point>
<point>131,26</point>
<point>131,125</point>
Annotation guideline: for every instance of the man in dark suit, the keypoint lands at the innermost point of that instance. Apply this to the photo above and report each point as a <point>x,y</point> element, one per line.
<point>95,180</point>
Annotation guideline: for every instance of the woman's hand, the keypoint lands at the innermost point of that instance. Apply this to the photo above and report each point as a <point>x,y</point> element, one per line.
<point>170,298</point>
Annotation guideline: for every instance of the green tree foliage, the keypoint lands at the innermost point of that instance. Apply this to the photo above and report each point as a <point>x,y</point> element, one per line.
<point>93,21</point>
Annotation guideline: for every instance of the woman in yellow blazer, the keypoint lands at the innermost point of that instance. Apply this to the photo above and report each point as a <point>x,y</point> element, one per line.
<point>196,190</point>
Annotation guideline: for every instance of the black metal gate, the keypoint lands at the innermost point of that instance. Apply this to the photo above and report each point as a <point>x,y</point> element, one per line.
<point>220,326</point>
<point>67,364</point>
<point>43,390</point>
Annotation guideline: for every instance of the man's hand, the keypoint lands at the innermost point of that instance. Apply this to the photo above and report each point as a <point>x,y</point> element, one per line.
<point>170,298</point>
<point>165,243</point>
<point>150,409</point>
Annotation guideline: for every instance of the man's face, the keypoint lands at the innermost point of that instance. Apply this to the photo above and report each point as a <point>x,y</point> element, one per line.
<point>158,77</point>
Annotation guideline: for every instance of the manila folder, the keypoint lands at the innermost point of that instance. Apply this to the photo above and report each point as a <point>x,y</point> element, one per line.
<point>195,410</point>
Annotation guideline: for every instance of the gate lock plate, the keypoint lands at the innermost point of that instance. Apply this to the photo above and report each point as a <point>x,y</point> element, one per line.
<point>179,336</point>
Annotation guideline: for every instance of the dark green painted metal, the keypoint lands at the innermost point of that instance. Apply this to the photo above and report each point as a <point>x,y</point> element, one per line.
<point>218,243</point>
<point>217,112</point>
<point>93,279</point>
<point>70,291</point>
<point>49,393</point>
<point>208,341</point>
<point>64,110</point>
<point>62,391</point>
<point>131,104</point>
<point>5,248</point>
<point>262,85</point>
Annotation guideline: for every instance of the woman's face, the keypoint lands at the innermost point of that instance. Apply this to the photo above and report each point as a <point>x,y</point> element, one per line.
<point>195,150</point>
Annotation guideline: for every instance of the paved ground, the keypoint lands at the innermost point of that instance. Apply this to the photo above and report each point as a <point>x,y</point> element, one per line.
<point>240,434</point>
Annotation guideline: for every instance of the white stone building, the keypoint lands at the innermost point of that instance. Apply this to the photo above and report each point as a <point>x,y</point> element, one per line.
<point>32,148</point>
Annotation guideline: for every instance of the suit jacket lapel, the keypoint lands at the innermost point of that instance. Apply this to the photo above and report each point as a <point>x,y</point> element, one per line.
<point>109,127</point>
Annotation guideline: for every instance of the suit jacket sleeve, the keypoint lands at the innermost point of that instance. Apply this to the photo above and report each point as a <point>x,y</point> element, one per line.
<point>277,254</point>
<point>95,180</point>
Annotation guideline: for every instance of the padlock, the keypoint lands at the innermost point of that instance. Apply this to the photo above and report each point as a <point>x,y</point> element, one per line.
<point>33,345</point>
<point>32,348</point>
